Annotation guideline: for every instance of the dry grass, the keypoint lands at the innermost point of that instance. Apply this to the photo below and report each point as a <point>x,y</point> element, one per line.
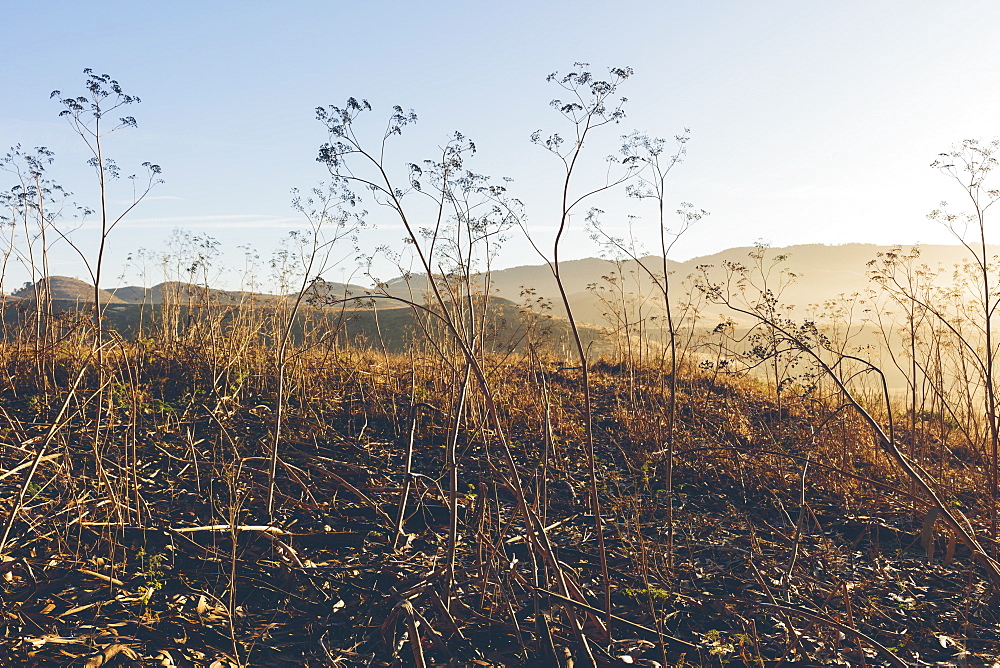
<point>144,534</point>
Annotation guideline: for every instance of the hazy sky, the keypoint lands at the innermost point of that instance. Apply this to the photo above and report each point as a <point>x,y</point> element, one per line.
<point>810,122</point>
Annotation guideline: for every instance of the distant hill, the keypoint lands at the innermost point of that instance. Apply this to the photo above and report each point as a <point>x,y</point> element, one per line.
<point>380,323</point>
<point>175,291</point>
<point>66,288</point>
<point>821,273</point>
<point>321,292</point>
<point>595,287</point>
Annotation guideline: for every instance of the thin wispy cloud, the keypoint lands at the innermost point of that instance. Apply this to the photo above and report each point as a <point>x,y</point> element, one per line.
<point>150,198</point>
<point>223,221</point>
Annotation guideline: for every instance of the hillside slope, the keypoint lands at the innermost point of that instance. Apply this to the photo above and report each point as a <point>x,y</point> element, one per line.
<point>66,288</point>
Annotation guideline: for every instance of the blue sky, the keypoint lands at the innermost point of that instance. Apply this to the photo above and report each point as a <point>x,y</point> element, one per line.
<point>810,122</point>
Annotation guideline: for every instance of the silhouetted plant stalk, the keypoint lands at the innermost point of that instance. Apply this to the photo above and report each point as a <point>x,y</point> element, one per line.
<point>807,340</point>
<point>345,147</point>
<point>948,329</point>
<point>34,204</point>
<point>970,165</point>
<point>907,285</point>
<point>590,104</point>
<point>86,116</point>
<point>654,166</point>
<point>329,223</point>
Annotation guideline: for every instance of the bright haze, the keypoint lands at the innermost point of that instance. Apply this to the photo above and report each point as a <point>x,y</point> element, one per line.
<point>810,122</point>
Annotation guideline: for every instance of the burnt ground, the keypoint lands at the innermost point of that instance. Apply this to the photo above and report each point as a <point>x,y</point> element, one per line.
<point>159,576</point>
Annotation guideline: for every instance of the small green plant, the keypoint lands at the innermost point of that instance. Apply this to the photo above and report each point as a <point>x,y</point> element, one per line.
<point>718,645</point>
<point>652,592</point>
<point>152,571</point>
<point>159,405</point>
<point>35,492</point>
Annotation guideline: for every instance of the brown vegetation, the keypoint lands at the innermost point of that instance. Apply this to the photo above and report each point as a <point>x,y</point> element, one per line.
<point>148,534</point>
